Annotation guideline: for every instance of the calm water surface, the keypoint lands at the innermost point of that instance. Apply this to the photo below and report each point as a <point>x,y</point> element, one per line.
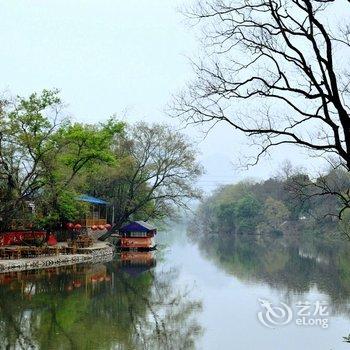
<point>202,295</point>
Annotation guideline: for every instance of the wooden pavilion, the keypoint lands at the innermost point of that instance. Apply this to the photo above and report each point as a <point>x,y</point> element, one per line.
<point>97,213</point>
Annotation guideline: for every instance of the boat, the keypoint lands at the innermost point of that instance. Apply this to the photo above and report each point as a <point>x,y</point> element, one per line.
<point>137,235</point>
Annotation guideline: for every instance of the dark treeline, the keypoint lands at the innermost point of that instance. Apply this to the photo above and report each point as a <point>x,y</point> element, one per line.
<point>281,204</point>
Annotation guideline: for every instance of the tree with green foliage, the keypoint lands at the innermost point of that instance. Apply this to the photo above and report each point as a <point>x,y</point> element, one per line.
<point>226,217</point>
<point>262,207</point>
<point>26,127</point>
<point>42,155</point>
<point>156,174</point>
<point>79,151</point>
<point>275,213</point>
<point>248,210</point>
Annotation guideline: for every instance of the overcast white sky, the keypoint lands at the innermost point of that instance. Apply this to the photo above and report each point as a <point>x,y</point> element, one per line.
<point>116,56</point>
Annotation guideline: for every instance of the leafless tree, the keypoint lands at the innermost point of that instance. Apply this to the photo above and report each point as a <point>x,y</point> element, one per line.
<point>282,63</point>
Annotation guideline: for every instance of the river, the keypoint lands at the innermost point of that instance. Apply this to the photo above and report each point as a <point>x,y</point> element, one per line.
<point>217,293</point>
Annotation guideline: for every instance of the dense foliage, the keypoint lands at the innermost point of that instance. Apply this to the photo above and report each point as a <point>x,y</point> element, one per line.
<point>156,172</point>
<point>46,160</point>
<point>274,205</point>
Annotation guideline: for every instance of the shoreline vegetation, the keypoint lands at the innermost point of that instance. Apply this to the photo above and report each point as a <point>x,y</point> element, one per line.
<point>287,203</point>
<point>144,171</point>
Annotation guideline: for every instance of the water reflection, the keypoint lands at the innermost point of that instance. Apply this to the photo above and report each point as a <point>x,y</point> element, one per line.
<point>291,265</point>
<point>124,304</point>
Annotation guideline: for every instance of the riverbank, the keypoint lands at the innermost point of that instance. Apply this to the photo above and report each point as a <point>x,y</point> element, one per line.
<point>98,252</point>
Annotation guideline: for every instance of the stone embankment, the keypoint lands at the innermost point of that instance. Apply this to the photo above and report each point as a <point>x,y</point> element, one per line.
<point>99,252</point>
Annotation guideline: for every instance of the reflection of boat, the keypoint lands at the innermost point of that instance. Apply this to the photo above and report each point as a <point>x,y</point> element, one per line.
<point>137,235</point>
<point>135,263</point>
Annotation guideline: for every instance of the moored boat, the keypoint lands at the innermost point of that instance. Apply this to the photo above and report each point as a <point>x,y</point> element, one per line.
<point>138,235</point>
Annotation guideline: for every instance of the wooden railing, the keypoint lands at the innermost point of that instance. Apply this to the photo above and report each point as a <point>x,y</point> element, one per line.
<point>92,222</point>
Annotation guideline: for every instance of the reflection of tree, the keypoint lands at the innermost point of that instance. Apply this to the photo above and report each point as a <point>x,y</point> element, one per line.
<point>171,324</point>
<point>100,307</point>
<point>293,265</point>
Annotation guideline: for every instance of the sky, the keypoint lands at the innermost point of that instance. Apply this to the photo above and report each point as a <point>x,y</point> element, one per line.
<point>123,58</point>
